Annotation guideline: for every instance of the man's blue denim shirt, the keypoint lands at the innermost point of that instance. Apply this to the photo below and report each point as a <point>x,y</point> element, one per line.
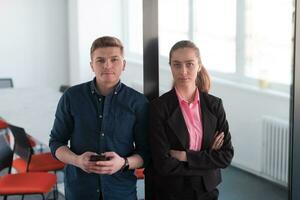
<point>92,122</point>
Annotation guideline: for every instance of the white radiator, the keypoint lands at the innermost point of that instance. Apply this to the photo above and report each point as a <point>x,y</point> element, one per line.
<point>275,150</point>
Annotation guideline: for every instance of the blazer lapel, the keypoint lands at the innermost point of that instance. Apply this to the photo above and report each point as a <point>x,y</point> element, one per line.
<point>176,121</point>
<point>209,122</point>
<point>177,124</point>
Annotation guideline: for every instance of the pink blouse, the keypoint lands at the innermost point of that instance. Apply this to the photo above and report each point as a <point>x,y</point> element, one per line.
<point>193,120</point>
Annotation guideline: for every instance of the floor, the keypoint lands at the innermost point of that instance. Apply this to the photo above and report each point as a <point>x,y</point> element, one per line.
<point>236,185</point>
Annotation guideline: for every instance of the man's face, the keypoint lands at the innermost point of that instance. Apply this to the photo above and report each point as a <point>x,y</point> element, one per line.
<point>107,64</point>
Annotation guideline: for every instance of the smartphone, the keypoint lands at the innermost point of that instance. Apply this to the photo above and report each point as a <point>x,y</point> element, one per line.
<point>98,158</point>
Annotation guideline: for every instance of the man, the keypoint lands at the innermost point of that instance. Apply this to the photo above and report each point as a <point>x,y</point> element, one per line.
<point>101,117</point>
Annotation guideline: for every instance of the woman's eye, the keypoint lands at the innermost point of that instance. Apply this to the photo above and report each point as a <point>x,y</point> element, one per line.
<point>190,64</point>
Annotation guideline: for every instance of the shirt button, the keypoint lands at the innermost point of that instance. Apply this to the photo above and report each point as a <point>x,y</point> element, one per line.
<point>100,116</point>
<point>102,134</point>
<point>98,190</point>
<point>116,92</point>
<point>99,99</point>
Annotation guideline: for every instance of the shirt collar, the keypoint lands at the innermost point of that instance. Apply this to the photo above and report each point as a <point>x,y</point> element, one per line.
<point>94,89</point>
<point>181,99</point>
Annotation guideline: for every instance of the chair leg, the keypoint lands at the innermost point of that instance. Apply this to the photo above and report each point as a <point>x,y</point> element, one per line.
<point>55,191</point>
<point>43,196</point>
<point>23,197</point>
<point>5,197</point>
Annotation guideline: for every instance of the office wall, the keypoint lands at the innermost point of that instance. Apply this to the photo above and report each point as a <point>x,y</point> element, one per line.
<point>88,21</point>
<point>245,108</point>
<point>33,42</point>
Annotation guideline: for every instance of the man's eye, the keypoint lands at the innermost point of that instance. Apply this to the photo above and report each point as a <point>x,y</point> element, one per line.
<point>114,60</point>
<point>176,65</point>
<point>100,61</point>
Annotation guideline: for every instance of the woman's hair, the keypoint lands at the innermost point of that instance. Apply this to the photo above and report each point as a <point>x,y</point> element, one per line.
<point>106,41</point>
<point>203,81</point>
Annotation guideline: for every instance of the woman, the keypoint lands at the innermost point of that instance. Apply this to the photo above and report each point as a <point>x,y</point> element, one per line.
<point>189,134</point>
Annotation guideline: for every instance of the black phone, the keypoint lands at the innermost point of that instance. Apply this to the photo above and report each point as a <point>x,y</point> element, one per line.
<point>98,158</point>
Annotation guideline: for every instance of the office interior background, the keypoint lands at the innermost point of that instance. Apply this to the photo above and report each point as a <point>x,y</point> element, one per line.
<point>246,45</point>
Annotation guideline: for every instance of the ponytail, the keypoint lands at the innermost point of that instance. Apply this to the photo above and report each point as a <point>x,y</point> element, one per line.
<point>203,81</point>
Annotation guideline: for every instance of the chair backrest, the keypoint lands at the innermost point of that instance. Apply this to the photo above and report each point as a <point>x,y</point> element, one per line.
<point>6,83</point>
<point>22,146</point>
<point>3,124</point>
<point>6,153</point>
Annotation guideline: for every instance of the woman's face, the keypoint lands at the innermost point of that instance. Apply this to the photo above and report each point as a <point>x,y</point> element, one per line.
<point>184,66</point>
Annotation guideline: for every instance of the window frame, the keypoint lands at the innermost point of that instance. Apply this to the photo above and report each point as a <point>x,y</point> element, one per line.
<point>238,76</point>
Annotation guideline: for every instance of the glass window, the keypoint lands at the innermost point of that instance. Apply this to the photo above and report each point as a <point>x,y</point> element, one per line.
<point>269,41</point>
<point>214,31</point>
<point>173,23</point>
<point>135,19</point>
<point>245,41</point>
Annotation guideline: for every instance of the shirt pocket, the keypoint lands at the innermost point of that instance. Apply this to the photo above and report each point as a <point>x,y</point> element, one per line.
<point>124,130</point>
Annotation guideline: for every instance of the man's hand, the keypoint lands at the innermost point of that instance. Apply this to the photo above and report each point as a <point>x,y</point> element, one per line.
<point>83,161</point>
<point>179,155</point>
<point>218,141</point>
<point>110,166</point>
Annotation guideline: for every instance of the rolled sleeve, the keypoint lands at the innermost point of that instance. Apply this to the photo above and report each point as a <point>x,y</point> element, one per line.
<point>63,125</point>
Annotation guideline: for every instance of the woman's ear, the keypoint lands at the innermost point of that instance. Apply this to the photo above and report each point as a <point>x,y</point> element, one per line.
<point>200,67</point>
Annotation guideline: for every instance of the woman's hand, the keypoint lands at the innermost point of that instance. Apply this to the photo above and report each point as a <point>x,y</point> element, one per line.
<point>179,155</point>
<point>218,141</point>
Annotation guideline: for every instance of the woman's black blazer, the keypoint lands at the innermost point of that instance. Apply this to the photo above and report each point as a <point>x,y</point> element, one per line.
<point>166,176</point>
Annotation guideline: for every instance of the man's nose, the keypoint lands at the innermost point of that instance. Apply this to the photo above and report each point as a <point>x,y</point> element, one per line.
<point>107,64</point>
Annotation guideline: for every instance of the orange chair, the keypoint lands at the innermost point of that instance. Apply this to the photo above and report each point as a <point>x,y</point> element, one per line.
<point>3,124</point>
<point>23,183</point>
<point>139,173</point>
<point>42,162</point>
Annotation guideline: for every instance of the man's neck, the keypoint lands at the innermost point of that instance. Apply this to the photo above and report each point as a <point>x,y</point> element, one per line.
<point>105,88</point>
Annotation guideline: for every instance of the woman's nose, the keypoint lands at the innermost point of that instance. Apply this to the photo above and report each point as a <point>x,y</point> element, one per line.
<point>183,70</point>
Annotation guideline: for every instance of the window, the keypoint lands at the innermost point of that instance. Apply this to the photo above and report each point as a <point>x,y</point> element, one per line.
<point>173,23</point>
<point>248,41</point>
<point>215,34</point>
<point>269,40</point>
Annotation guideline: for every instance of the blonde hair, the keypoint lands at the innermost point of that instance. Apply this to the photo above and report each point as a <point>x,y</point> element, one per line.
<point>203,81</point>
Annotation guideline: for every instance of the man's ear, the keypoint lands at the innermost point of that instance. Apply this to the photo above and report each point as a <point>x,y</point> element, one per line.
<point>124,64</point>
<point>91,64</point>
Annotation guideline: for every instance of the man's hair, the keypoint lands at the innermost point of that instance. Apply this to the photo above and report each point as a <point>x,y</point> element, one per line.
<point>106,41</point>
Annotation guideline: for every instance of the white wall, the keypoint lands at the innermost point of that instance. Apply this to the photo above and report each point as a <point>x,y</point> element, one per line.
<point>33,42</point>
<point>89,20</point>
<point>245,108</point>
